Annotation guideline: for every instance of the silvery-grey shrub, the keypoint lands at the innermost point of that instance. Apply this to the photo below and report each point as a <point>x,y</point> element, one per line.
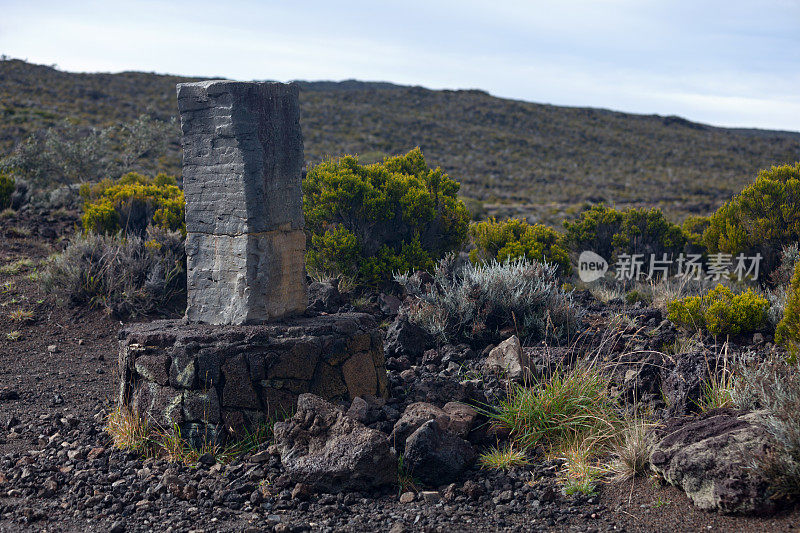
<point>476,302</point>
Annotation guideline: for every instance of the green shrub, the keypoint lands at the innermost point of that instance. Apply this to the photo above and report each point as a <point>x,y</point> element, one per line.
<point>721,312</point>
<point>761,218</point>
<point>693,228</point>
<point>787,334</point>
<point>132,203</point>
<point>368,221</point>
<point>476,303</point>
<point>515,238</point>
<point>7,185</point>
<point>127,276</point>
<point>774,385</point>
<point>610,232</point>
<point>634,296</point>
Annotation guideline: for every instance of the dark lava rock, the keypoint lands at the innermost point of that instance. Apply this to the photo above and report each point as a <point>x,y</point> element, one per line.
<point>331,452</point>
<point>682,381</point>
<point>709,457</point>
<point>405,338</point>
<point>324,297</point>
<point>435,456</point>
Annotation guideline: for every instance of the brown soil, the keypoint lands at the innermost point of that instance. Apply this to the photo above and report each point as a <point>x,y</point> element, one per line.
<point>79,379</point>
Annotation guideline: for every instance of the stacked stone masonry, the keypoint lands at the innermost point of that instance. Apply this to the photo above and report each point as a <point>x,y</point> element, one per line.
<point>242,164</point>
<point>216,382</point>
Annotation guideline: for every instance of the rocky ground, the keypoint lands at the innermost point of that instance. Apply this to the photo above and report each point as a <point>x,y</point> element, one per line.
<point>58,471</point>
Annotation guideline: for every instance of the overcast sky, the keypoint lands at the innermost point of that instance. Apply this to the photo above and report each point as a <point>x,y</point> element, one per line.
<point>729,63</point>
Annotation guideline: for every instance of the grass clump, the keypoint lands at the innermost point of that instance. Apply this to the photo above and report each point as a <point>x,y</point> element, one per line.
<point>574,404</point>
<point>721,312</point>
<point>582,469</point>
<point>13,335</point>
<point>476,303</point>
<point>127,276</point>
<point>130,432</point>
<point>631,449</point>
<point>21,315</point>
<point>503,457</point>
<point>515,238</point>
<point>15,267</point>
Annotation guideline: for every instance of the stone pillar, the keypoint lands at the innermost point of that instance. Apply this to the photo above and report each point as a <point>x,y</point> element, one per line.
<point>242,160</point>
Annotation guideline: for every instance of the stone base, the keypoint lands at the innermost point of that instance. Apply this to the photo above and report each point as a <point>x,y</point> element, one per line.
<point>215,382</point>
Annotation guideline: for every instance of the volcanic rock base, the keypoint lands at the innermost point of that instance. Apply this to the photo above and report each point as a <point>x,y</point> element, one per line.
<point>216,382</point>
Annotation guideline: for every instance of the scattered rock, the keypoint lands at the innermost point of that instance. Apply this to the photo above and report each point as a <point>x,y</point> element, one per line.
<point>405,338</point>
<point>508,359</point>
<point>682,382</point>
<point>331,452</point>
<point>7,394</point>
<point>413,417</point>
<point>435,456</point>
<point>324,297</point>
<point>431,496</point>
<point>407,497</point>
<point>462,418</point>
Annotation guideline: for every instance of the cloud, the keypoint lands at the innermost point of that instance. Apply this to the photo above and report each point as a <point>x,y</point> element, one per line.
<point>731,63</point>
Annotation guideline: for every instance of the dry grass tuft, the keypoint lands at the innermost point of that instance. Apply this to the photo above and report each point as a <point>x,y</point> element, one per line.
<point>503,457</point>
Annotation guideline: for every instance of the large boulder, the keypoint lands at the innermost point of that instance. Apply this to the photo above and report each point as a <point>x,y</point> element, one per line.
<point>331,452</point>
<point>436,457</point>
<point>508,359</point>
<point>709,457</point>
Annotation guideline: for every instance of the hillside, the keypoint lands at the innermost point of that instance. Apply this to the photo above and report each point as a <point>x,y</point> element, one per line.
<point>518,157</point>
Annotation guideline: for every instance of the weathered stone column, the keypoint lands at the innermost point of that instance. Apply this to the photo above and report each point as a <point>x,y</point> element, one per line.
<point>242,160</point>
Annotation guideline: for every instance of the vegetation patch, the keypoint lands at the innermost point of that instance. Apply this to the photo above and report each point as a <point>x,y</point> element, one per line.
<point>515,238</point>
<point>126,275</point>
<point>761,218</point>
<point>610,232</point>
<point>133,203</point>
<point>721,312</point>
<point>477,302</point>
<point>129,432</point>
<point>370,221</point>
<point>787,333</point>
<point>503,457</point>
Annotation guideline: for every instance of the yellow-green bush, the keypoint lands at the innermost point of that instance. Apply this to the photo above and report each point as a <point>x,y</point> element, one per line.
<point>761,218</point>
<point>787,334</point>
<point>368,221</point>
<point>132,203</point>
<point>721,312</point>
<point>514,239</point>
<point>6,190</point>
<point>693,228</point>
<point>610,232</point>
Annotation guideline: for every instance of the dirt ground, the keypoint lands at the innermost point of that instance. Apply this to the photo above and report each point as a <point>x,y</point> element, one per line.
<point>61,363</point>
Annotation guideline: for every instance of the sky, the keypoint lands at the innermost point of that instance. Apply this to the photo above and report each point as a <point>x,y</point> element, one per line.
<point>728,63</point>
